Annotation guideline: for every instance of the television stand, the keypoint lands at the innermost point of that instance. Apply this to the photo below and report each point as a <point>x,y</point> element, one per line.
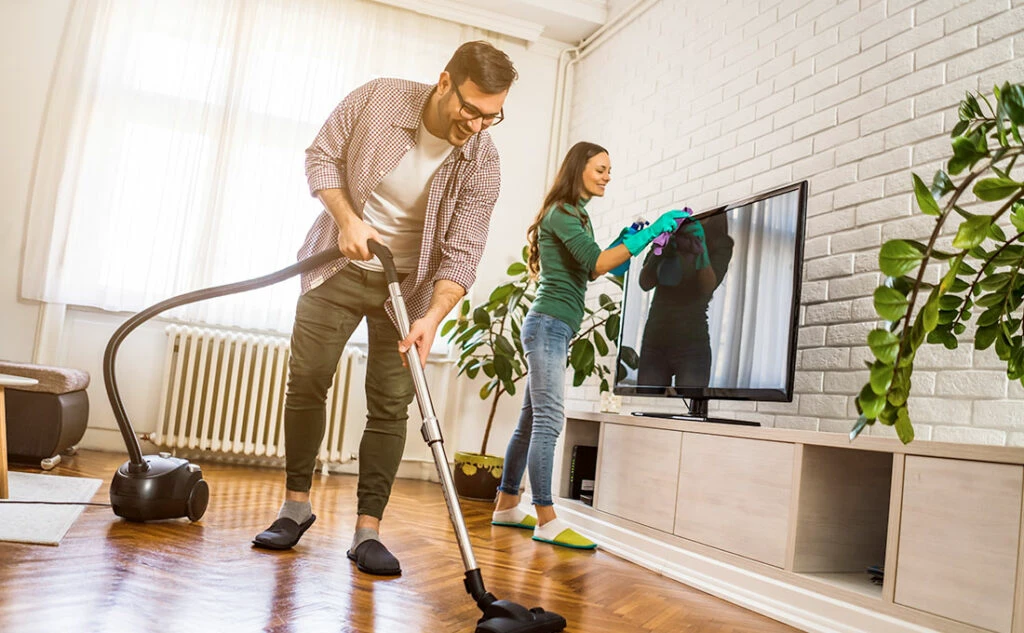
<point>692,418</point>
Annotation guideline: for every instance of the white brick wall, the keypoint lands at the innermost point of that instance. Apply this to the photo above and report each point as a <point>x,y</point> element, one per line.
<point>702,103</point>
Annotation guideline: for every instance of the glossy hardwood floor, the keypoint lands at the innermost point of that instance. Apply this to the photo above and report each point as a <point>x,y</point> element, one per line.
<point>111,576</point>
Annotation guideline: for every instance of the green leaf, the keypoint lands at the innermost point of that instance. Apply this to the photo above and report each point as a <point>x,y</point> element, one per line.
<point>1003,346</point>
<point>1009,256</point>
<point>914,338</point>
<point>447,327</point>
<point>985,336</point>
<point>1015,366</point>
<point>870,402</point>
<point>898,257</point>
<point>516,268</point>
<point>947,316</point>
<point>488,387</point>
<point>888,415</point>
<point>990,316</point>
<point>465,308</point>
<point>943,337</point>
<point>606,302</point>
<point>941,184</point>
<point>959,328</point>
<point>1017,217</point>
<point>1012,98</point>
<point>972,232</point>
<point>950,276</point>
<point>904,430</point>
<point>972,103</point>
<point>967,150</point>
<point>996,232</point>
<point>991,189</point>
<point>950,302</point>
<point>600,343</point>
<point>582,356</point>
<point>578,378</point>
<point>503,368</point>
<point>611,327</point>
<point>501,292</point>
<point>503,346</point>
<point>960,128</point>
<point>925,200</point>
<point>884,345</point>
<point>996,282</point>
<point>930,313</point>
<point>881,377</point>
<point>890,304</point>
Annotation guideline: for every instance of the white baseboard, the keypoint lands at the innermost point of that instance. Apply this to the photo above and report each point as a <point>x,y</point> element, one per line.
<point>110,441</point>
<point>796,606</point>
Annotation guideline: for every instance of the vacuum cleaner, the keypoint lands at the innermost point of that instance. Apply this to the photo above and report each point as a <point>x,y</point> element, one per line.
<point>153,487</point>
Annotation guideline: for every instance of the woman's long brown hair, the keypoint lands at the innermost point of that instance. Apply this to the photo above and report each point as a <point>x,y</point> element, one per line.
<point>567,190</point>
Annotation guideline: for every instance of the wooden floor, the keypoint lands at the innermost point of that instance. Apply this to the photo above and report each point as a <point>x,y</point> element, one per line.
<point>110,575</point>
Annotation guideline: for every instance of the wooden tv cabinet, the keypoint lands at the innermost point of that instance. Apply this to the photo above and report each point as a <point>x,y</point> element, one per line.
<point>787,522</point>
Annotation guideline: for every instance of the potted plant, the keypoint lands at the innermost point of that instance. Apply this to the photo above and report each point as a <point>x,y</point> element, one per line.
<point>487,337</point>
<point>981,280</point>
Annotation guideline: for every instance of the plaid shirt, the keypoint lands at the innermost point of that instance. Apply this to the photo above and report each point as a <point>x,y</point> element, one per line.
<point>363,141</point>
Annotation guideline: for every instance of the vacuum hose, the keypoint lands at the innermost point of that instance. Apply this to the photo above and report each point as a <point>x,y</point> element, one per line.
<point>137,464</point>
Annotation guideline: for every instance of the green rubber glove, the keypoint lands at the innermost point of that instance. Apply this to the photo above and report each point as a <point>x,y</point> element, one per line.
<point>667,223</point>
<point>621,269</point>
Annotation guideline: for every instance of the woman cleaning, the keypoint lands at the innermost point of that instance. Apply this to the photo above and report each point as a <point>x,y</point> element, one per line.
<point>566,257</point>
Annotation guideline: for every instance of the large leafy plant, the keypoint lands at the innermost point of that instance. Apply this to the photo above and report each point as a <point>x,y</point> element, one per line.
<point>981,282</point>
<point>487,337</point>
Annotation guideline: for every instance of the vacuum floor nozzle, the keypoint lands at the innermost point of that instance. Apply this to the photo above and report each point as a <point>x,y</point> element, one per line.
<point>504,616</point>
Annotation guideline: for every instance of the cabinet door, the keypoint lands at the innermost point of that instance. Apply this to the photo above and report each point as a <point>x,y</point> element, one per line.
<point>959,527</point>
<point>637,474</point>
<point>734,494</point>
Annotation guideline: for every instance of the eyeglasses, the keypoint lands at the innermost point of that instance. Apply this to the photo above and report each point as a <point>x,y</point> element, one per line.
<point>469,112</point>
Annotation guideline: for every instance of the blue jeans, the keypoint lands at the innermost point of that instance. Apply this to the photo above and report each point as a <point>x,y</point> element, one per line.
<point>546,342</point>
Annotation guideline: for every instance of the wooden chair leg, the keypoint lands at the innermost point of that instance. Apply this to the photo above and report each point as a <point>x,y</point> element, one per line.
<point>4,492</point>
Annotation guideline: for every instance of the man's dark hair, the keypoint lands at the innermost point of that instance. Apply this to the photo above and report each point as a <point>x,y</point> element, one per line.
<point>488,67</point>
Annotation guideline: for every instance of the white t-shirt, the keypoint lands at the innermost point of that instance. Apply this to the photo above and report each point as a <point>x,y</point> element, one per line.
<point>397,206</point>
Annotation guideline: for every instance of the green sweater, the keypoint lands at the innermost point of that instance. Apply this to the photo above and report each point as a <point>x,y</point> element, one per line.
<point>568,254</point>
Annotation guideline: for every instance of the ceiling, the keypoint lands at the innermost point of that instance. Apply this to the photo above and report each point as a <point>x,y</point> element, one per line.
<point>564,21</point>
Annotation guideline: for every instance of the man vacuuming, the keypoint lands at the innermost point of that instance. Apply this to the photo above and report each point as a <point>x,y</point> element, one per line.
<point>411,166</point>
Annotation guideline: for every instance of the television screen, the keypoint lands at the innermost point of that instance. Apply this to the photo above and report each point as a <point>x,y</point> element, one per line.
<point>712,310</point>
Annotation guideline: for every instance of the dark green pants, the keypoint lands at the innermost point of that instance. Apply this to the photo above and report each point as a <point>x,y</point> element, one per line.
<point>325,318</point>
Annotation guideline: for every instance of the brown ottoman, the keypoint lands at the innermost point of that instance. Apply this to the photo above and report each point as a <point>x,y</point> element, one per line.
<point>46,419</point>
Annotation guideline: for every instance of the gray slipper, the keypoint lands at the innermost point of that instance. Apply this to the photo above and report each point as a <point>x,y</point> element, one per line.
<point>372,557</point>
<point>283,533</point>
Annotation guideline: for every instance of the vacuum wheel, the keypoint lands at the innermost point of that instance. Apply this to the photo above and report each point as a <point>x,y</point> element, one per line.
<point>198,498</point>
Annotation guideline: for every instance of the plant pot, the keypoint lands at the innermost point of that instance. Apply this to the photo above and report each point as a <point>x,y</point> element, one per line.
<point>477,476</point>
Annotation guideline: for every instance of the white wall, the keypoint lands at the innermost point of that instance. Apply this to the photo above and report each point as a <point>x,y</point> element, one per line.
<point>30,35</point>
<point>702,103</point>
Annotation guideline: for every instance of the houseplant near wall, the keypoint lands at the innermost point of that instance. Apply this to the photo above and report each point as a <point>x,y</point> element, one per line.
<point>982,282</point>
<point>487,337</point>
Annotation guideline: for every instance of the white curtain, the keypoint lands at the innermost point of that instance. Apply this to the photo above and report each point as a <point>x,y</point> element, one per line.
<point>172,153</point>
<point>749,316</point>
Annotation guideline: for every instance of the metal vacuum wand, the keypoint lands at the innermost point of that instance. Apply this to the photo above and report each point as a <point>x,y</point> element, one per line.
<point>499,616</point>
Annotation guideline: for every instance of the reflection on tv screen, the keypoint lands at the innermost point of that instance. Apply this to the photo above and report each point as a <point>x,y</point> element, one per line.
<point>712,308</point>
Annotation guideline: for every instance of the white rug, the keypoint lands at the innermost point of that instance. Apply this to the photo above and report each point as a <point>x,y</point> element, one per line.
<point>43,524</point>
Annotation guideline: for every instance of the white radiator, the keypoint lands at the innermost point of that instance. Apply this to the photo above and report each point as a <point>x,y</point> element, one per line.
<point>223,392</point>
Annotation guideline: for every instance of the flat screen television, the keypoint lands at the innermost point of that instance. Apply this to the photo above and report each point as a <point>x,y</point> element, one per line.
<point>718,319</point>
